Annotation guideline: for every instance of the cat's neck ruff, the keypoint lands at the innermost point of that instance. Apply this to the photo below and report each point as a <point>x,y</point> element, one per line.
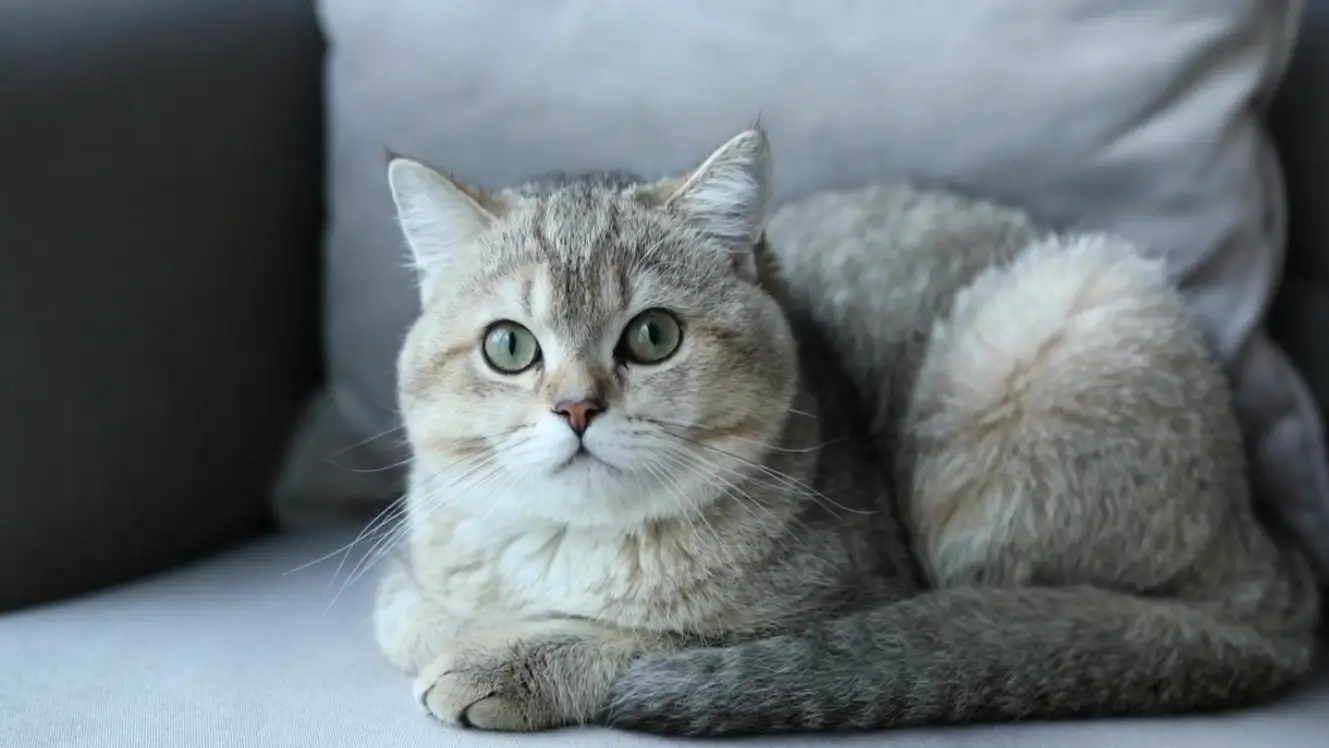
<point>534,567</point>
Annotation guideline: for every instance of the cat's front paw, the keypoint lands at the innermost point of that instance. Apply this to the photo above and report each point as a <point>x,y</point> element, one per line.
<point>484,688</point>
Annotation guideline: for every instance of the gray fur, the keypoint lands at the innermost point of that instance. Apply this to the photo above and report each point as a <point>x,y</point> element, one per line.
<point>1008,484</point>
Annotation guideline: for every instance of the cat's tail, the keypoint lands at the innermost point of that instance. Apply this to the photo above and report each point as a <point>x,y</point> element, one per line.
<point>963,655</point>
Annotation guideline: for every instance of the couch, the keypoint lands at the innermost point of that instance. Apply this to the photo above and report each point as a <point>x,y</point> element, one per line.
<point>161,211</point>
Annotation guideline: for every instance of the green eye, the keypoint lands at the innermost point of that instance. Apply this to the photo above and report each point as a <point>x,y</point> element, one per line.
<point>510,348</point>
<point>651,337</point>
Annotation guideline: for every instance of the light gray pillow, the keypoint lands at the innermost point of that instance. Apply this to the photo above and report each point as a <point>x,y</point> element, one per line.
<point>1134,116</point>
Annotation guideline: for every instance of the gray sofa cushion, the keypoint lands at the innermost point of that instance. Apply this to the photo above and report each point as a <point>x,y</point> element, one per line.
<point>1139,118</point>
<point>158,232</point>
<point>240,651</point>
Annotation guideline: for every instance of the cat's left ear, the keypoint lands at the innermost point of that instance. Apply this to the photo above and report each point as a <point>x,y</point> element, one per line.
<point>727,196</point>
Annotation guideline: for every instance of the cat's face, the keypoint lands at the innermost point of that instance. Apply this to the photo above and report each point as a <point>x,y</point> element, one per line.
<point>593,353</point>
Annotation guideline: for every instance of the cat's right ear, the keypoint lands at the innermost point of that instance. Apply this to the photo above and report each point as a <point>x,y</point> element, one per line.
<point>439,217</point>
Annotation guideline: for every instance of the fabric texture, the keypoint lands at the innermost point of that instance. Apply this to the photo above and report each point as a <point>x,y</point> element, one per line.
<point>249,649</point>
<point>1135,117</point>
<point>158,239</point>
<point>1300,122</point>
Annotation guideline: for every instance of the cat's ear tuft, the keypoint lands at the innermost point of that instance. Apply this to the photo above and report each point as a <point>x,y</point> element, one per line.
<point>439,216</point>
<point>728,195</point>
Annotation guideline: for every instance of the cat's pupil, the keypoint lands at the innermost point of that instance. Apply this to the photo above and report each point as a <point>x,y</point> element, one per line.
<point>650,334</point>
<point>508,343</point>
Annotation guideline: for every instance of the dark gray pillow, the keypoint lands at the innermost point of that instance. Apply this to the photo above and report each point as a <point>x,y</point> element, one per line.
<point>158,314</point>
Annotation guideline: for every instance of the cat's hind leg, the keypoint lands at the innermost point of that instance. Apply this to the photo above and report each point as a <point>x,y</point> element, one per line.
<point>1078,502</point>
<point>1069,426</point>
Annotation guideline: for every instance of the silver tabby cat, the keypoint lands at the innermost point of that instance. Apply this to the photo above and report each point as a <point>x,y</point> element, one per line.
<point>898,457</point>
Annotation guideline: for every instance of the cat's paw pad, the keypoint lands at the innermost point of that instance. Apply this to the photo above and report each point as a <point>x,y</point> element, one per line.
<point>483,691</point>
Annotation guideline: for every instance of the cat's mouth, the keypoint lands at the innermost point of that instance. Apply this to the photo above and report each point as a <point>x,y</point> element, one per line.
<point>581,459</point>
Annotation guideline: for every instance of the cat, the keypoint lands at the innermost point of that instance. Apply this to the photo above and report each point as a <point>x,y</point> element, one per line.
<point>893,457</point>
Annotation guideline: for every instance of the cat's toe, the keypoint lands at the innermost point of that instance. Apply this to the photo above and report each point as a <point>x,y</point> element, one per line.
<point>446,694</point>
<point>503,713</point>
<point>485,700</point>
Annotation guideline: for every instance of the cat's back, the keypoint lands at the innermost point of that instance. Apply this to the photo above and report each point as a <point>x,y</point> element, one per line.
<point>892,253</point>
<point>872,269</point>
<point>909,213</point>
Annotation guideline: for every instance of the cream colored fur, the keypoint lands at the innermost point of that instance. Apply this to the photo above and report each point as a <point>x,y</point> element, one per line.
<point>918,431</point>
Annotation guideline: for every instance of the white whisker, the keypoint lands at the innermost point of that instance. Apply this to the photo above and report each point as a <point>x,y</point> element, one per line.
<point>786,482</point>
<point>390,527</point>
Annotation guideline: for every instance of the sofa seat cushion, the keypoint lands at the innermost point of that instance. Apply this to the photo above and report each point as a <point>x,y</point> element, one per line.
<point>243,650</point>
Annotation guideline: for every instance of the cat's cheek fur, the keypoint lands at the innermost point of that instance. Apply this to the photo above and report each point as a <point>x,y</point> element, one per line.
<point>540,449</point>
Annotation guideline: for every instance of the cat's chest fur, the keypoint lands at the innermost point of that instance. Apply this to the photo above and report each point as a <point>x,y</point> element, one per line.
<point>658,579</point>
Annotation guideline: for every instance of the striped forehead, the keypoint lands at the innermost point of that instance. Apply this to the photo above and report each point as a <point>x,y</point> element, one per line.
<point>579,260</point>
<point>581,257</point>
<point>576,297</point>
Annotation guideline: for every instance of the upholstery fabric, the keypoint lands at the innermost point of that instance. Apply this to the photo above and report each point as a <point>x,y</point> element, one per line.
<point>1136,117</point>
<point>1300,121</point>
<point>245,650</point>
<point>158,239</point>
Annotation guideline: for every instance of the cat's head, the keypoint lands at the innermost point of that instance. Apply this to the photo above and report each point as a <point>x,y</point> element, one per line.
<point>592,352</point>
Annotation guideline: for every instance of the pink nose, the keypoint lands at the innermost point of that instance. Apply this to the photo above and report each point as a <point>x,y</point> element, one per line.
<point>579,413</point>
